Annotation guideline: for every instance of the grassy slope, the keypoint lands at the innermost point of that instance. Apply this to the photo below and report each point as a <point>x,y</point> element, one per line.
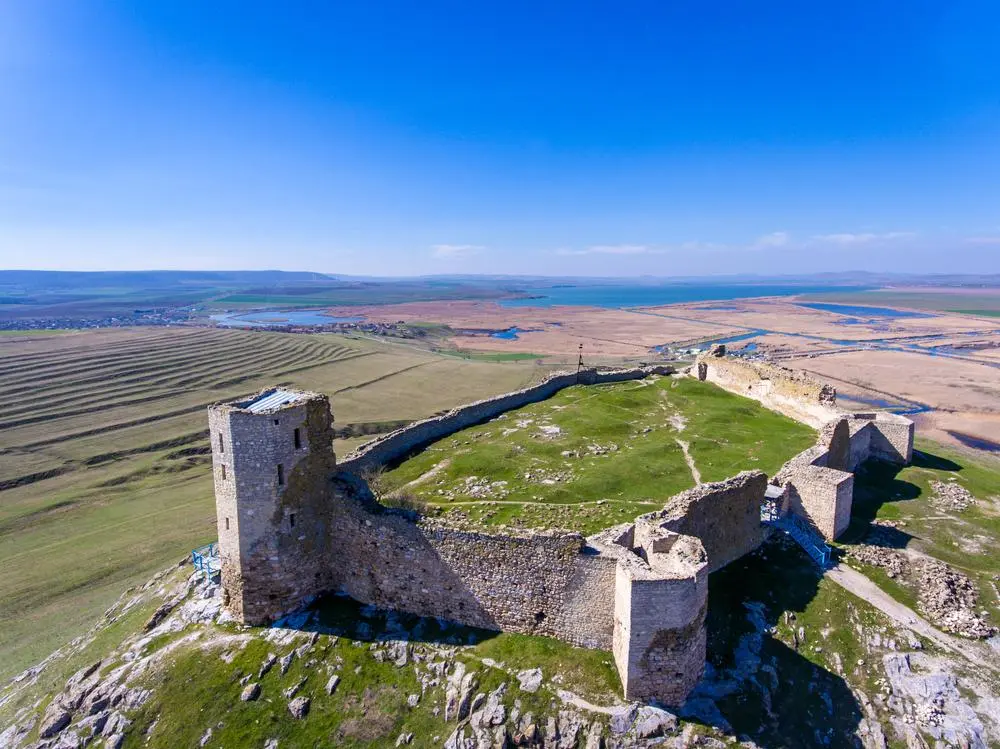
<point>965,539</point>
<point>137,494</point>
<point>644,464</point>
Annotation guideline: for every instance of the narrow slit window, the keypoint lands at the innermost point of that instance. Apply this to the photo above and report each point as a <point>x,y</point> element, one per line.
<point>222,444</point>
<point>227,524</point>
<point>281,475</point>
<point>298,440</point>
<point>291,520</point>
<point>276,422</point>
<point>223,472</point>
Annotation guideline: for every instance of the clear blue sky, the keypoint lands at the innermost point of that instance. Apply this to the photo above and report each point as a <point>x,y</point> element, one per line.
<point>624,138</point>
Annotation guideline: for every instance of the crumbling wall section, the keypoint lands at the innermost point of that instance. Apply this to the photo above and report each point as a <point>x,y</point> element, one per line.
<point>786,391</point>
<point>391,447</point>
<point>725,515</point>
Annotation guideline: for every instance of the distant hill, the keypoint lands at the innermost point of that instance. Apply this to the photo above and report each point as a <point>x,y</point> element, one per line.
<point>80,281</point>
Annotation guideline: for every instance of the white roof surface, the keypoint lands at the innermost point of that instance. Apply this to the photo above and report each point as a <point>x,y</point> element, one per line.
<point>273,400</point>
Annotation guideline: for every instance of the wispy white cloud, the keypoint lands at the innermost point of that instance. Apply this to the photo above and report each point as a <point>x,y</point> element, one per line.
<point>774,239</point>
<point>852,238</point>
<point>983,240</point>
<point>453,251</point>
<point>614,249</point>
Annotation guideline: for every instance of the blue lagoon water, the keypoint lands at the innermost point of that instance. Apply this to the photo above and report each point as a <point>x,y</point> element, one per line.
<point>854,309</point>
<point>652,296</point>
<point>279,318</point>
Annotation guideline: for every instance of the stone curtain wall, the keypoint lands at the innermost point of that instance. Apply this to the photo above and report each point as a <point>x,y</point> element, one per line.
<point>545,583</point>
<point>401,442</point>
<point>725,515</point>
<point>788,392</point>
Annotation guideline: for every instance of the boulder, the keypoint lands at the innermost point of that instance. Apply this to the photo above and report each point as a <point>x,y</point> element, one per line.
<point>299,707</point>
<point>250,692</point>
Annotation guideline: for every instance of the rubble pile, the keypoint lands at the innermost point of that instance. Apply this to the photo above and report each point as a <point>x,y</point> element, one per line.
<point>949,599</point>
<point>950,495</point>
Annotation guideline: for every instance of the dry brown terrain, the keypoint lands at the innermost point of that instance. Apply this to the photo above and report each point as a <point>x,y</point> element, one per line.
<point>899,361</point>
<point>555,331</point>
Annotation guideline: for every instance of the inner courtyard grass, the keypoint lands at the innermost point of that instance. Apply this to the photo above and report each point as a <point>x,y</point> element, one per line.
<point>594,456</point>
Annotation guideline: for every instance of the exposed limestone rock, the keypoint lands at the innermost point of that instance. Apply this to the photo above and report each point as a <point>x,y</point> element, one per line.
<point>530,679</point>
<point>286,662</point>
<point>652,722</point>
<point>267,665</point>
<point>299,707</point>
<point>250,693</point>
<point>294,689</point>
<point>331,685</point>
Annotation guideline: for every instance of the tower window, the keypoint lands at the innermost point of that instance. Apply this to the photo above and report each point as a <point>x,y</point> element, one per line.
<point>222,445</point>
<point>281,475</point>
<point>291,520</point>
<point>223,467</point>
<point>227,524</point>
<point>298,440</point>
<point>276,422</point>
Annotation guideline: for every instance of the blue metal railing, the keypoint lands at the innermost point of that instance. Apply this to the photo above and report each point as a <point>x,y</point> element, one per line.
<point>805,536</point>
<point>206,560</point>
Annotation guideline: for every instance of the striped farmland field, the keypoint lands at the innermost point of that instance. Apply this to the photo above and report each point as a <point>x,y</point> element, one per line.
<point>104,464</point>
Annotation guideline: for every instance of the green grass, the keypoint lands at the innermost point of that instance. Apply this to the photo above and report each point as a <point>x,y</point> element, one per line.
<point>980,312</point>
<point>198,689</point>
<point>957,301</point>
<point>494,356</point>
<point>616,454</point>
<point>33,333</point>
<point>902,495</point>
<point>105,433</point>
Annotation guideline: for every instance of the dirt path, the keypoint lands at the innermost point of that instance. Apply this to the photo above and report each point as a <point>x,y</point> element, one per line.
<point>854,582</point>
<point>695,474</point>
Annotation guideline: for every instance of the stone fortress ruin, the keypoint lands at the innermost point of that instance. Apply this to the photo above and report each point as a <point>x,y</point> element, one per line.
<point>294,523</point>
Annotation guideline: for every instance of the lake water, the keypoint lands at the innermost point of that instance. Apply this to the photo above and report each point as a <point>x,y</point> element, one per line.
<point>279,318</point>
<point>854,309</point>
<point>651,296</point>
<point>508,335</point>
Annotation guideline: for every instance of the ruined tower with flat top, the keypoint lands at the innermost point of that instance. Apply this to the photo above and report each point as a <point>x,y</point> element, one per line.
<point>272,454</point>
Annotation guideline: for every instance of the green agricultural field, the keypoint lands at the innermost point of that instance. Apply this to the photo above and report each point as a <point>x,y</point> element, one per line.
<point>104,461</point>
<point>958,301</point>
<point>591,457</point>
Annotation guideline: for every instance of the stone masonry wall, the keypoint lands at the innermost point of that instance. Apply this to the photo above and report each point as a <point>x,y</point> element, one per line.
<point>725,515</point>
<point>786,391</point>
<point>661,600</point>
<point>391,447</point>
<point>544,583</point>
<point>272,536</point>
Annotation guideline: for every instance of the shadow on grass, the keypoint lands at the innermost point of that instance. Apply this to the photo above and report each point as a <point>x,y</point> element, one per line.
<point>342,616</point>
<point>876,484</point>
<point>763,688</point>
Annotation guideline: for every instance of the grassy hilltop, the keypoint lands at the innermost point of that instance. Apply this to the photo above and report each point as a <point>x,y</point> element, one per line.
<point>594,456</point>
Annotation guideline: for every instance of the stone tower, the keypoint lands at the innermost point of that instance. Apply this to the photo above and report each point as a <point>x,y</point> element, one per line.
<point>272,457</point>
